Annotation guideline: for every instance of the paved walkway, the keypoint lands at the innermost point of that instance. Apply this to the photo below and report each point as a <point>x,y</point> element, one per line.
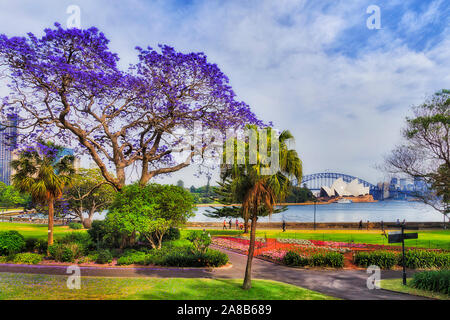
<point>345,284</point>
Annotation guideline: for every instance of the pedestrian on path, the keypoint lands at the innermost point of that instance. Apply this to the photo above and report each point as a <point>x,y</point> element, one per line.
<point>284,225</point>
<point>237,224</point>
<point>224,225</point>
<point>230,223</point>
<point>360,225</point>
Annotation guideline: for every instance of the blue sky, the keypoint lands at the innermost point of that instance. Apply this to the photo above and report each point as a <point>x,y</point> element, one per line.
<point>312,67</point>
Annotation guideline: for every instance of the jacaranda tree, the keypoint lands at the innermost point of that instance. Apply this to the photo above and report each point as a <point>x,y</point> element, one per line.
<point>67,86</point>
<point>42,172</point>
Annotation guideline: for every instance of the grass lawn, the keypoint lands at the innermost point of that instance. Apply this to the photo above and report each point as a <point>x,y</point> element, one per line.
<point>44,287</point>
<point>396,285</point>
<point>427,238</point>
<point>29,230</point>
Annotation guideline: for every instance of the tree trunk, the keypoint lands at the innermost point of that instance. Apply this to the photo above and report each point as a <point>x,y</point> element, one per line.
<point>245,226</point>
<point>248,270</point>
<point>50,223</point>
<point>87,223</point>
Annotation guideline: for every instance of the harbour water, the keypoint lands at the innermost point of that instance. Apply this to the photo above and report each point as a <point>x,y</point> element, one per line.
<point>388,211</point>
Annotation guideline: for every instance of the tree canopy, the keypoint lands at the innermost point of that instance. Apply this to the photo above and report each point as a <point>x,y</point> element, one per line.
<point>425,152</point>
<point>150,210</point>
<point>67,86</point>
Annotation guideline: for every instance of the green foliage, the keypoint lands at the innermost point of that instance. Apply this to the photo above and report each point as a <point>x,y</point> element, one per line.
<point>89,193</point>
<point>174,257</point>
<point>328,259</point>
<point>293,259</point>
<point>11,242</point>
<point>149,211</point>
<point>382,259</point>
<point>104,256</point>
<point>200,241</point>
<point>172,234</point>
<point>65,252</point>
<point>75,226</point>
<point>27,258</point>
<point>299,195</point>
<point>82,239</point>
<point>423,259</point>
<point>35,245</point>
<point>437,281</point>
<point>11,197</point>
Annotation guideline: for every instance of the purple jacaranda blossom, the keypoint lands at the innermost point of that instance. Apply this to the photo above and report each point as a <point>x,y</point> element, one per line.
<point>67,87</point>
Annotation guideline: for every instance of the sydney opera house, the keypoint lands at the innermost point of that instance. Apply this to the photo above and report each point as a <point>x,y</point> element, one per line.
<point>340,188</point>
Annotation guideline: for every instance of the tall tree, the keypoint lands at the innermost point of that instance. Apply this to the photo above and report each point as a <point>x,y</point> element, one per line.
<point>257,191</point>
<point>67,86</point>
<point>89,193</point>
<point>41,172</point>
<point>425,152</point>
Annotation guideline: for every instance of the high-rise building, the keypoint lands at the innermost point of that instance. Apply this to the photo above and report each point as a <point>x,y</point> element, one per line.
<point>8,140</point>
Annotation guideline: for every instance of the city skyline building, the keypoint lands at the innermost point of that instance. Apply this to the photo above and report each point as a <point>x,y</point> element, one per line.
<point>8,139</point>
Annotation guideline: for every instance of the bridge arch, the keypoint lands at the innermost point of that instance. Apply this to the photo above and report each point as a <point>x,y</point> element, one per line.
<point>316,180</point>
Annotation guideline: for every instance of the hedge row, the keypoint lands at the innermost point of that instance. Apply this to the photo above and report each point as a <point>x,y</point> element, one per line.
<point>175,257</point>
<point>437,281</point>
<point>415,259</point>
<point>329,259</point>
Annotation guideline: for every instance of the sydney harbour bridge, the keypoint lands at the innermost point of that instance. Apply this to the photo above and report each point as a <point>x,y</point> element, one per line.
<point>315,181</point>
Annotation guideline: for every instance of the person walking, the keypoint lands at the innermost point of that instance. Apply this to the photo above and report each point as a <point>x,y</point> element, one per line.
<point>368,224</point>
<point>382,225</point>
<point>283,225</point>
<point>360,225</point>
<point>224,225</point>
<point>230,223</point>
<point>237,224</point>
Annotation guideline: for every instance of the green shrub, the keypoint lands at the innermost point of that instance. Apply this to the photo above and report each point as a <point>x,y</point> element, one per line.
<point>329,259</point>
<point>382,259</point>
<point>4,259</point>
<point>36,245</point>
<point>437,281</point>
<point>104,256</point>
<point>82,239</point>
<point>75,226</point>
<point>293,259</point>
<point>11,242</point>
<point>172,234</point>
<point>27,258</point>
<point>200,241</point>
<point>423,259</point>
<point>133,257</point>
<point>65,252</point>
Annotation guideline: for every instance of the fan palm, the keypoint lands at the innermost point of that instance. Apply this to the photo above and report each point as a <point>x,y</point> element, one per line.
<point>259,192</point>
<point>41,172</point>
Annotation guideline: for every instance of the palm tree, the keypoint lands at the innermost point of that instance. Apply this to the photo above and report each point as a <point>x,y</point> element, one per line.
<point>259,193</point>
<point>41,172</point>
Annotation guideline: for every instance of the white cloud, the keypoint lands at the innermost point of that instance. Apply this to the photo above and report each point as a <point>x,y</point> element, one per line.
<point>345,111</point>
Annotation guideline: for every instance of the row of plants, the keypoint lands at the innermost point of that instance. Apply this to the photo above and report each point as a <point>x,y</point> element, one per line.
<point>436,281</point>
<point>415,259</point>
<point>81,247</point>
<point>323,259</point>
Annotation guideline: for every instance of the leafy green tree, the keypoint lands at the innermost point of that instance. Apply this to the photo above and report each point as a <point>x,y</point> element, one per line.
<point>41,172</point>
<point>425,152</point>
<point>259,193</point>
<point>299,195</point>
<point>149,211</point>
<point>11,197</point>
<point>89,193</point>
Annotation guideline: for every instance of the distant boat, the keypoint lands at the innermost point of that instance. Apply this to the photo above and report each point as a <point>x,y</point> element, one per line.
<point>344,201</point>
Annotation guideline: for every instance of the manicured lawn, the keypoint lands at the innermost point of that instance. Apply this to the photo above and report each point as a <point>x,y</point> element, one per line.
<point>29,230</point>
<point>427,238</point>
<point>43,287</point>
<point>396,285</point>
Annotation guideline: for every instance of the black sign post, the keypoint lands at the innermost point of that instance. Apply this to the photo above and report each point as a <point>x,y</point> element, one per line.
<point>400,236</point>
